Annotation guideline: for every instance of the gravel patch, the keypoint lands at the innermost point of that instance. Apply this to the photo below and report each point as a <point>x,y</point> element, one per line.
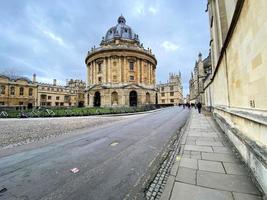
<point>15,132</point>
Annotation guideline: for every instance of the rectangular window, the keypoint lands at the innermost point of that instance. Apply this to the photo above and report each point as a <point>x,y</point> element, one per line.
<point>21,91</point>
<point>12,90</point>
<point>57,103</point>
<point>131,66</point>
<point>114,78</point>
<point>61,104</point>
<point>2,103</point>
<point>30,91</point>
<point>172,93</point>
<point>162,89</point>
<point>57,98</point>
<point>131,78</point>
<point>171,87</point>
<point>172,100</point>
<point>163,94</point>
<point>49,97</point>
<point>21,103</point>
<point>99,79</point>
<point>163,100</point>
<point>99,68</point>
<point>43,97</point>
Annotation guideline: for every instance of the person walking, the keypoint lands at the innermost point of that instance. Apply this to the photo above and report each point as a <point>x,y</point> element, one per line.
<point>199,106</point>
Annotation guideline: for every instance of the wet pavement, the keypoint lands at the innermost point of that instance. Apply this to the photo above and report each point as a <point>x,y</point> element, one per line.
<point>111,160</point>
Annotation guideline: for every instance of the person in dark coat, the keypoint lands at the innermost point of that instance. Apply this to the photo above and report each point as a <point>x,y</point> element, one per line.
<point>199,106</point>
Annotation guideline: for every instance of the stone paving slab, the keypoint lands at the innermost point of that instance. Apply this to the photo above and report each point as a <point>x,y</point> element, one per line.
<point>242,196</point>
<point>237,169</point>
<point>182,191</point>
<point>226,182</point>
<point>187,175</point>
<point>219,157</point>
<point>222,150</point>
<point>198,148</point>
<point>189,163</point>
<point>208,169</point>
<point>211,166</point>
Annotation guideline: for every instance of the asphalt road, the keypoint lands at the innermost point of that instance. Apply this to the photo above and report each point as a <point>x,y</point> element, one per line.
<point>112,159</point>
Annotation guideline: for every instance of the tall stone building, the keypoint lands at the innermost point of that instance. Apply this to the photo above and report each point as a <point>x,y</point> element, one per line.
<point>172,91</point>
<point>236,88</point>
<point>201,72</point>
<point>121,72</point>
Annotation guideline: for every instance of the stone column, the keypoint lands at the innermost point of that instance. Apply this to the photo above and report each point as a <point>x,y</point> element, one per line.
<point>91,99</point>
<point>126,79</point>
<point>119,77</point>
<point>136,70</point>
<point>140,70</point>
<point>104,71</point>
<point>122,69</point>
<point>149,75</point>
<point>87,74</point>
<point>92,73</point>
<point>109,70</point>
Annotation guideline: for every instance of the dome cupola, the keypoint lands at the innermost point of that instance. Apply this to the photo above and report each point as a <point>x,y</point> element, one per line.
<point>120,32</point>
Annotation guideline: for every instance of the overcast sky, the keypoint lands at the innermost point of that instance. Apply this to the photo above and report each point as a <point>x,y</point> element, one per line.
<point>51,37</point>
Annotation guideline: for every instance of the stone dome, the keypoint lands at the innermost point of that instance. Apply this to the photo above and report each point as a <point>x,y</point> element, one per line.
<point>120,31</point>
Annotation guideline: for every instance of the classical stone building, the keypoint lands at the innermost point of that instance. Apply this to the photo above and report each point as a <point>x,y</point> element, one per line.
<point>121,72</point>
<point>17,91</point>
<point>201,72</point>
<point>236,88</point>
<point>172,91</point>
<point>72,94</point>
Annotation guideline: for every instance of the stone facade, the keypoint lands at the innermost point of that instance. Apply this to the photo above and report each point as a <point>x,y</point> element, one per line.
<point>56,95</point>
<point>17,91</point>
<point>172,91</point>
<point>120,72</point>
<point>202,70</point>
<point>22,92</point>
<point>236,89</point>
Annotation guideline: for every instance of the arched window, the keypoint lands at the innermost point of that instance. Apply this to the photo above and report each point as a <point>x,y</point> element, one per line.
<point>114,98</point>
<point>12,90</point>
<point>21,91</point>
<point>147,98</point>
<point>30,91</point>
<point>2,89</point>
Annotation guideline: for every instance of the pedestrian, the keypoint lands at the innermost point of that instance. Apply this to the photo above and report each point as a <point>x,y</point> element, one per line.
<point>199,106</point>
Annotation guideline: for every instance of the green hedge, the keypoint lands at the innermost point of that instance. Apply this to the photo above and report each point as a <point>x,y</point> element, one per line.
<point>73,111</point>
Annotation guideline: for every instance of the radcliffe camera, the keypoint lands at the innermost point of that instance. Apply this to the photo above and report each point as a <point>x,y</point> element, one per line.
<point>133,100</point>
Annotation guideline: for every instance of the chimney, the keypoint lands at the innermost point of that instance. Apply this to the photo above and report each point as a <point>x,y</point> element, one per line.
<point>34,78</point>
<point>54,81</point>
<point>67,82</point>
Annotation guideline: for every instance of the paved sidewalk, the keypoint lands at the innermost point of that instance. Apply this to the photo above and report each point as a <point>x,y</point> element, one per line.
<point>206,168</point>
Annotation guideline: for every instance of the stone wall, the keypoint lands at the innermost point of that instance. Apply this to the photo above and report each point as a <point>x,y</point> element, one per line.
<point>236,90</point>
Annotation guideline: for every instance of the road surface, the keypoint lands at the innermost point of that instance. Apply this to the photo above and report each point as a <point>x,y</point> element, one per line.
<point>112,159</point>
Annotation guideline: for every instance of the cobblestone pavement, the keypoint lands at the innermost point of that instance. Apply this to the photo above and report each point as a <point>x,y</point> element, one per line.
<point>15,132</point>
<point>207,167</point>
